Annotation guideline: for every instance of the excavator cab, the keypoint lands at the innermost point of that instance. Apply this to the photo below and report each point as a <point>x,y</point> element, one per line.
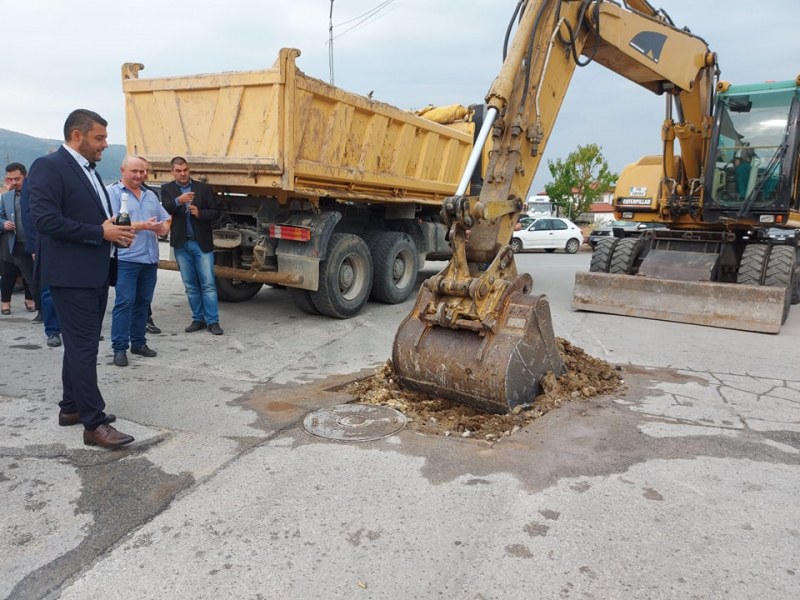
<point>755,150</point>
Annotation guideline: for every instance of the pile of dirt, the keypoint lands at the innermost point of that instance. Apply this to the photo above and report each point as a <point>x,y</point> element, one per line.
<point>586,377</point>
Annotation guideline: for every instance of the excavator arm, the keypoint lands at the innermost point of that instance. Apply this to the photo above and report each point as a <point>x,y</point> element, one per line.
<point>475,334</point>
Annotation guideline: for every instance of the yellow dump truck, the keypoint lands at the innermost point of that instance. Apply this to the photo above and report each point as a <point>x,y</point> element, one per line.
<point>330,194</point>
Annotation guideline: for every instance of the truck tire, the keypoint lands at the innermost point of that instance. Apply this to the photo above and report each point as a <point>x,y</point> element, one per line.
<point>302,300</point>
<point>394,267</point>
<point>601,255</point>
<point>751,267</point>
<point>233,290</point>
<point>573,245</point>
<point>345,277</point>
<point>780,273</point>
<point>626,252</point>
<point>516,245</point>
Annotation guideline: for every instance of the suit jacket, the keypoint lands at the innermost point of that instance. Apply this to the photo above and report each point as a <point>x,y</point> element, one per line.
<point>68,216</point>
<point>27,222</point>
<point>8,238</point>
<point>206,202</point>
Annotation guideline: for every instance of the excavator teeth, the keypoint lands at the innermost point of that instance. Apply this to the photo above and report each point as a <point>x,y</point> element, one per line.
<point>493,372</point>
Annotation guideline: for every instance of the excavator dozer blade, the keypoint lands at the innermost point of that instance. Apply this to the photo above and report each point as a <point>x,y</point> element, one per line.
<point>726,305</point>
<point>493,372</point>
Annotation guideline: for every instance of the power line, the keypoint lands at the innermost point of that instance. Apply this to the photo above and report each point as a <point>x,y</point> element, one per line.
<point>363,18</point>
<point>378,8</point>
<point>359,21</point>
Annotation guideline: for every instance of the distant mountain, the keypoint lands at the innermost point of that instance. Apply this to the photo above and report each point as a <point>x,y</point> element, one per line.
<point>18,147</point>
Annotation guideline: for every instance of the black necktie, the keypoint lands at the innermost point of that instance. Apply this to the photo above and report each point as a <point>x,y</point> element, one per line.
<point>92,165</point>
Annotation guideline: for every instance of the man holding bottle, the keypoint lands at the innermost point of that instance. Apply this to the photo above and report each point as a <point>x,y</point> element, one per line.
<point>194,207</point>
<point>137,265</point>
<point>72,217</point>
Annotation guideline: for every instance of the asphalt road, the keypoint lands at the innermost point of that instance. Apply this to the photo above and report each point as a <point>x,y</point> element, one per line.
<point>682,486</point>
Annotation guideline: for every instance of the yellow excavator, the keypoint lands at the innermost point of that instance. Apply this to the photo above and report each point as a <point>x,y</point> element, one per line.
<point>476,333</point>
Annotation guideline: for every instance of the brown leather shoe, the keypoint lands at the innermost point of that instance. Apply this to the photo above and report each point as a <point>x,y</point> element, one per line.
<point>106,436</point>
<point>67,419</point>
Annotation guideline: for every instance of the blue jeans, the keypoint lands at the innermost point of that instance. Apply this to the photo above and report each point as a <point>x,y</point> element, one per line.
<point>136,283</point>
<point>197,273</point>
<point>49,316</point>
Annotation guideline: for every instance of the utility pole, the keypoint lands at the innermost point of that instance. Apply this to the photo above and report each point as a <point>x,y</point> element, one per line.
<point>330,42</point>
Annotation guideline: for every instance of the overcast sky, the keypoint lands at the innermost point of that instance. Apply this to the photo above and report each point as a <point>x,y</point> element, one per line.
<point>63,55</point>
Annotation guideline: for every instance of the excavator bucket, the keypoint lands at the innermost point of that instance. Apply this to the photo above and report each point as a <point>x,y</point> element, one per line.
<point>494,371</point>
<point>726,305</point>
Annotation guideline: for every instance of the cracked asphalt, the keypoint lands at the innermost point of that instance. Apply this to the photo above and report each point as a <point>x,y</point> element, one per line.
<point>684,485</point>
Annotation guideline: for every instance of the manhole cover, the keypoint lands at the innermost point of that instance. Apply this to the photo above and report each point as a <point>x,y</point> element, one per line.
<point>354,422</point>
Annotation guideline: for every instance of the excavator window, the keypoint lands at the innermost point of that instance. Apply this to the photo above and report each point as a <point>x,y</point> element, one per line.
<point>751,146</point>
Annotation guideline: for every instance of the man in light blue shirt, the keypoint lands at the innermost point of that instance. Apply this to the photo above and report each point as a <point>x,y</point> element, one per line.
<point>137,265</point>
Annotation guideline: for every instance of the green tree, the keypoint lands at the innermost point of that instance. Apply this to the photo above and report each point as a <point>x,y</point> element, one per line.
<point>580,180</point>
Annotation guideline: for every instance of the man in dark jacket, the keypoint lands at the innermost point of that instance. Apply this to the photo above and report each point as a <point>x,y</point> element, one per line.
<point>72,215</point>
<point>193,207</point>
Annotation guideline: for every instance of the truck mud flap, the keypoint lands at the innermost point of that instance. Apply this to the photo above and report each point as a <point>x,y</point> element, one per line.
<point>725,305</point>
<point>494,372</point>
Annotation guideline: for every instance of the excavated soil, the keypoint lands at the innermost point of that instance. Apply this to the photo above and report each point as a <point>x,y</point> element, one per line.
<point>586,377</point>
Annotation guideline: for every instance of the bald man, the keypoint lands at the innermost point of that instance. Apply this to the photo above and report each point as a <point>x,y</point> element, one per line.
<point>138,264</point>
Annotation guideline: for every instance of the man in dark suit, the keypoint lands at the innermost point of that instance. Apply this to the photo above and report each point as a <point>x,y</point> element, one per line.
<point>193,208</point>
<point>14,257</point>
<point>72,215</point>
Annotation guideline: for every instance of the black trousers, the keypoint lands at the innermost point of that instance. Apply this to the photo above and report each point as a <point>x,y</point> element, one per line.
<point>80,312</point>
<point>10,273</point>
<point>18,261</point>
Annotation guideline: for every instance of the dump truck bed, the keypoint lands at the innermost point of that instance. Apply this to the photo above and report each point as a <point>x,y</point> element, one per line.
<point>278,132</point>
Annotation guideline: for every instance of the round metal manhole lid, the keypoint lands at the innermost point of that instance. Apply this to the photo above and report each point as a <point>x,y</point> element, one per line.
<point>354,422</point>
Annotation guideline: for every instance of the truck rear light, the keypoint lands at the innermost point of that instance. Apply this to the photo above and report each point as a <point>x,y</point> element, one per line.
<point>290,232</point>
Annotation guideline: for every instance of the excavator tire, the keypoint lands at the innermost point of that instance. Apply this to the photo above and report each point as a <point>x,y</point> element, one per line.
<point>751,267</point>
<point>796,284</point>
<point>627,251</point>
<point>601,256</point>
<point>780,273</point>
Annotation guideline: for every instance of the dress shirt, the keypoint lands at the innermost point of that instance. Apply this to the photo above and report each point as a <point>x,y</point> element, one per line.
<point>92,177</point>
<point>185,189</point>
<point>144,248</point>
